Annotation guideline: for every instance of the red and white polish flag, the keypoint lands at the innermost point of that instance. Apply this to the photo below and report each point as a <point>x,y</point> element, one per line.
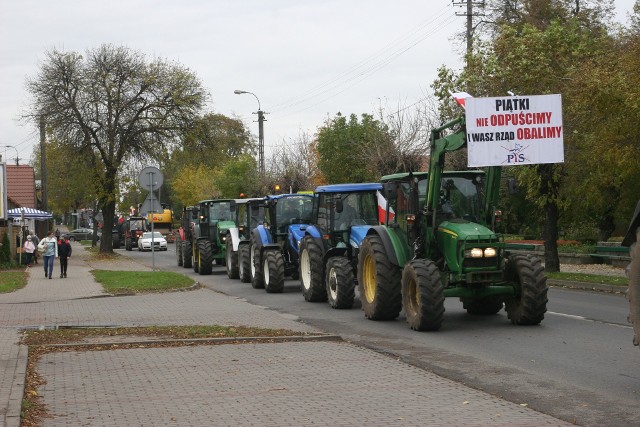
<point>382,209</point>
<point>460,97</point>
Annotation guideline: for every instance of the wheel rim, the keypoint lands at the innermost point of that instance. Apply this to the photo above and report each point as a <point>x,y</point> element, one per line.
<point>228,258</point>
<point>333,284</point>
<point>252,259</point>
<point>265,269</point>
<point>305,269</point>
<point>369,278</point>
<point>413,296</point>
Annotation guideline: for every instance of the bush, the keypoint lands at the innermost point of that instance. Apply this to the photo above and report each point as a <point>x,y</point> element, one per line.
<point>5,251</point>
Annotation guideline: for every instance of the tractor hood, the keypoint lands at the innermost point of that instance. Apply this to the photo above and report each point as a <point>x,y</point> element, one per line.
<point>295,234</point>
<point>225,225</point>
<point>460,229</point>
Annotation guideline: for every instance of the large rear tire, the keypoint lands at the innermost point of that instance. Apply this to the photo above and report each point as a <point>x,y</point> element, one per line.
<point>311,271</point>
<point>179,251</point>
<point>529,304</point>
<point>128,244</point>
<point>423,295</point>
<point>244,264</point>
<point>341,283</point>
<point>378,281</point>
<point>232,260</point>
<point>273,269</point>
<point>257,279</point>
<point>187,260</point>
<point>205,257</point>
<point>633,294</point>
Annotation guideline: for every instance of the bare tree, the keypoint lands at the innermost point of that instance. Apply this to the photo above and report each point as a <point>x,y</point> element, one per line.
<point>112,106</point>
<point>293,165</point>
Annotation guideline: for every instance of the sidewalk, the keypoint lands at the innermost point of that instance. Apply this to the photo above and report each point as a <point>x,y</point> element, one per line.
<point>309,382</point>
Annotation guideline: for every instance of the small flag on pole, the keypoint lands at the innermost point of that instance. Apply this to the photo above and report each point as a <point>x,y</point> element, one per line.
<point>382,209</point>
<point>460,97</point>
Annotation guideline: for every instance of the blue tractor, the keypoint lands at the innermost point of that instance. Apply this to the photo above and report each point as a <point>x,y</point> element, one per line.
<point>342,216</point>
<point>275,243</point>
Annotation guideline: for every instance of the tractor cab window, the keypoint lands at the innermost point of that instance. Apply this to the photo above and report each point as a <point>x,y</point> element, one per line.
<point>293,210</point>
<point>356,209</point>
<point>220,212</point>
<point>136,225</point>
<point>461,198</point>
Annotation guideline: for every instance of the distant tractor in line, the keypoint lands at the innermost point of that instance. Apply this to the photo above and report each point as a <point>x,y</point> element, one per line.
<point>342,215</point>
<point>275,244</point>
<point>133,228</point>
<point>184,236</point>
<point>247,215</point>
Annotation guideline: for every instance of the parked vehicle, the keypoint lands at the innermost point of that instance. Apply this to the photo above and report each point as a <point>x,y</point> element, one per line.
<point>342,215</point>
<point>440,243</point>
<point>247,215</point>
<point>275,244</point>
<point>82,234</point>
<point>150,240</point>
<point>632,240</point>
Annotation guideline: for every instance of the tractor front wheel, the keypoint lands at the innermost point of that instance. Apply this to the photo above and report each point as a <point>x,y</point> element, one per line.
<point>423,295</point>
<point>378,281</point>
<point>313,289</point>
<point>205,257</point>
<point>185,247</point>
<point>341,283</point>
<point>257,279</point>
<point>179,251</point>
<point>528,305</point>
<point>232,260</point>
<point>273,271</point>
<point>244,266</point>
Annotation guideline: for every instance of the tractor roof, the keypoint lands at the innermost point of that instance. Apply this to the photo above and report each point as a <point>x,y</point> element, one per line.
<point>404,175</point>
<point>243,201</point>
<point>214,201</point>
<point>349,188</point>
<point>284,196</point>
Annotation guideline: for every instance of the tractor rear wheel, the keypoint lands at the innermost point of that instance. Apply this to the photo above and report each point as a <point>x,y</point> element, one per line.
<point>529,304</point>
<point>257,279</point>
<point>423,295</point>
<point>273,270</point>
<point>313,288</point>
<point>194,256</point>
<point>633,273</point>
<point>205,257</point>
<point>482,306</point>
<point>378,281</point>
<point>232,260</point>
<point>185,247</point>
<point>179,251</point>
<point>341,284</point>
<point>244,266</point>
<point>128,245</point>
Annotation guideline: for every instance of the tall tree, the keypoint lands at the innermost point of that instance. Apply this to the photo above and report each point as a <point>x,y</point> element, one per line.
<point>111,105</point>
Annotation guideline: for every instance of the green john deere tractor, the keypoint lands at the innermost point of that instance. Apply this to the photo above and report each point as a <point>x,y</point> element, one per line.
<point>438,242</point>
<point>208,245</point>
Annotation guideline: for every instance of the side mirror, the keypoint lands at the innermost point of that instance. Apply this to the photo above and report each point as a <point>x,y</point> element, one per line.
<point>339,206</point>
<point>390,190</point>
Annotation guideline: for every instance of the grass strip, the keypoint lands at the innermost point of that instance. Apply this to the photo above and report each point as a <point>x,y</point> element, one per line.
<point>589,278</point>
<point>127,282</point>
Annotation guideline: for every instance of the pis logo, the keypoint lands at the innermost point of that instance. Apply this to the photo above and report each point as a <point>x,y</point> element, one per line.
<point>516,154</point>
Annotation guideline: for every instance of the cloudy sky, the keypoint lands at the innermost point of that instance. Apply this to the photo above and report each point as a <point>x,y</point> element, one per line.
<point>305,60</point>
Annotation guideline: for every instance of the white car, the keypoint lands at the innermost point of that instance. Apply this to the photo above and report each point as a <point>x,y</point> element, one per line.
<point>159,242</point>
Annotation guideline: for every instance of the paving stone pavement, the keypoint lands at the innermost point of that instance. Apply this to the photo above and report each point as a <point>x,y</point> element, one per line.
<point>251,384</point>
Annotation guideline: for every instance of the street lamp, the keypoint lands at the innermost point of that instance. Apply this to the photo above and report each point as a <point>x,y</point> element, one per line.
<point>11,146</point>
<point>260,131</point>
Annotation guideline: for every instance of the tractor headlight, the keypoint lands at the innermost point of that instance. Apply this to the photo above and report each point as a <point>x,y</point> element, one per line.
<point>473,253</point>
<point>223,238</point>
<point>490,252</point>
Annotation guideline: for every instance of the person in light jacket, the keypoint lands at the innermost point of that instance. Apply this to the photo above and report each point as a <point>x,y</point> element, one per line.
<point>49,249</point>
<point>28,249</point>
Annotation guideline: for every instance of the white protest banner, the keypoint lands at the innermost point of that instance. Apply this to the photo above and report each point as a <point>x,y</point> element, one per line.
<point>515,130</point>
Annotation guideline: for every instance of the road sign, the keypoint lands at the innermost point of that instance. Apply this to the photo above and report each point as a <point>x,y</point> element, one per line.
<point>150,205</point>
<point>151,178</point>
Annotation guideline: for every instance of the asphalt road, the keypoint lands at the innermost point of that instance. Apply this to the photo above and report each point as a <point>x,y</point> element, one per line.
<point>578,365</point>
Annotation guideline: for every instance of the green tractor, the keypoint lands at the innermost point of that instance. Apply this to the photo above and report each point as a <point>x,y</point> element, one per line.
<point>247,215</point>
<point>208,245</point>
<point>438,242</point>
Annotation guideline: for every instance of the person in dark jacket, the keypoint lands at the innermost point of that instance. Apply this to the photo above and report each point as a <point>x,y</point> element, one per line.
<point>64,252</point>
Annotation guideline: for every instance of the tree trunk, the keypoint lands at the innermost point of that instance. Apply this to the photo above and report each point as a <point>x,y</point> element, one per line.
<point>108,212</point>
<point>549,190</point>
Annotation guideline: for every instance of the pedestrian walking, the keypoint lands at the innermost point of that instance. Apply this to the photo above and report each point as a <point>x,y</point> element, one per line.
<point>57,234</point>
<point>48,247</point>
<point>28,249</point>
<point>64,252</point>
<point>35,241</point>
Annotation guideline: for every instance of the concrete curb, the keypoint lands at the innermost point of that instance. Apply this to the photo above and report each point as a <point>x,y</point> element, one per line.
<point>12,417</point>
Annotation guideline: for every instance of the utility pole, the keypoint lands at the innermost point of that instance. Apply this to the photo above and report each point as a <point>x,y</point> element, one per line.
<point>43,165</point>
<point>261,142</point>
<point>469,13</point>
